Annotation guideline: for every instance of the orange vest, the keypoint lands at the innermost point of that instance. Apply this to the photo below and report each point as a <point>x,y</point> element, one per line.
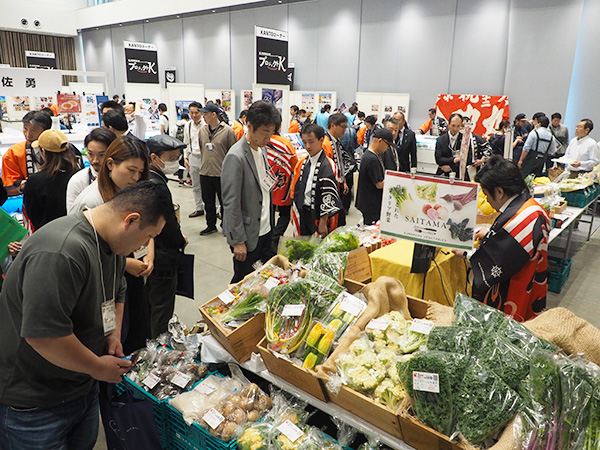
<point>294,127</point>
<point>239,129</point>
<point>14,164</point>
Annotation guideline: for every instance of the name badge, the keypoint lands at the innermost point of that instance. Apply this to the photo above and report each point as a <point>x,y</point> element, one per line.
<point>210,146</point>
<point>268,181</point>
<point>109,317</point>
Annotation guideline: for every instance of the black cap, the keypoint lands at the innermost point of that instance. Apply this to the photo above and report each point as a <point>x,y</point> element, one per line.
<point>164,143</point>
<point>520,116</point>
<point>210,107</point>
<point>385,134</point>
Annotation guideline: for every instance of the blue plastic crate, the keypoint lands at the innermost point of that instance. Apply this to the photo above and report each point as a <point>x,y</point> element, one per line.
<point>581,197</point>
<point>559,270</point>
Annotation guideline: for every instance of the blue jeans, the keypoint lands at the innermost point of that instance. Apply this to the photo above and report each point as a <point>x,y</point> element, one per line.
<point>69,426</point>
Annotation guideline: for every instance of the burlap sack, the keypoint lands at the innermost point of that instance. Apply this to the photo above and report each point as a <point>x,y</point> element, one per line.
<point>439,314</point>
<point>384,295</point>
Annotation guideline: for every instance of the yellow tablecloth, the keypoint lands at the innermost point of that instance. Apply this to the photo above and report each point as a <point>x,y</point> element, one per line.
<point>395,261</point>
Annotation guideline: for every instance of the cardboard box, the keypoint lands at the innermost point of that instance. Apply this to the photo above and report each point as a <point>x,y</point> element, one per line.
<point>358,266</point>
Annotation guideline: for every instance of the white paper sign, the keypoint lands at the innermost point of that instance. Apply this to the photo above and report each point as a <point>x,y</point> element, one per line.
<point>292,310</point>
<point>226,297</point>
<point>206,388</point>
<point>421,326</point>
<point>181,380</point>
<point>151,381</point>
<point>271,283</point>
<point>290,430</point>
<point>378,324</point>
<point>352,304</point>
<point>429,210</point>
<point>427,382</point>
<point>213,418</point>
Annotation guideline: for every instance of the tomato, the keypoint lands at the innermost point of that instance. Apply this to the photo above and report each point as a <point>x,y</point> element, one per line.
<point>426,208</point>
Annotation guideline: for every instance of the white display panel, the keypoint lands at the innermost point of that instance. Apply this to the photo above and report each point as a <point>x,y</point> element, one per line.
<point>150,95</point>
<point>383,104</point>
<point>181,94</point>
<point>88,88</point>
<point>223,95</point>
<point>279,96</point>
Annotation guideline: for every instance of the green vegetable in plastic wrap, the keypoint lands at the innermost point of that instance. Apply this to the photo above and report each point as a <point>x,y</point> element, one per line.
<point>340,240</point>
<point>455,339</point>
<point>247,308</point>
<point>506,360</point>
<point>472,313</point>
<point>299,249</point>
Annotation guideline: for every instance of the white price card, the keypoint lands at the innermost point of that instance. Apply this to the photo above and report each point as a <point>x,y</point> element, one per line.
<point>292,310</point>
<point>151,381</point>
<point>352,304</point>
<point>378,324</point>
<point>213,418</point>
<point>181,380</point>
<point>427,382</point>
<point>290,430</point>
<point>206,388</point>
<point>271,283</point>
<point>421,326</point>
<point>226,297</point>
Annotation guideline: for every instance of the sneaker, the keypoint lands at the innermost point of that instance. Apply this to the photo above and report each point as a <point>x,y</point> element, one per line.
<point>196,214</point>
<point>208,230</point>
<point>181,184</point>
<point>187,183</point>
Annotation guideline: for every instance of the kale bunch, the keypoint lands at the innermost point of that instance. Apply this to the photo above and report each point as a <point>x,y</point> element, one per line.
<point>506,360</point>
<point>472,313</point>
<point>455,339</point>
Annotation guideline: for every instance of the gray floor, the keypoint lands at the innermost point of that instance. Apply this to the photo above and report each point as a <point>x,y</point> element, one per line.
<point>213,269</point>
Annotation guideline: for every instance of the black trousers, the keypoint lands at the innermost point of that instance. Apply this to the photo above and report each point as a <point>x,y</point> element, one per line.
<point>263,252</point>
<point>307,224</point>
<point>136,321</point>
<point>285,212</point>
<point>347,198</point>
<point>211,189</point>
<point>161,288</point>
<point>370,218</point>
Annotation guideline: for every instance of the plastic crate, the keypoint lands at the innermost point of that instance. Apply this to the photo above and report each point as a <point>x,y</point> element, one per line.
<point>559,270</point>
<point>581,197</point>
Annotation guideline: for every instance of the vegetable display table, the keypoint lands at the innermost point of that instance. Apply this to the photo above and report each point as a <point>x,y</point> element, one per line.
<point>395,260</point>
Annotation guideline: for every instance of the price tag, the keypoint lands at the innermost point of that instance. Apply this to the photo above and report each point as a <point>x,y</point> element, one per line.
<point>378,324</point>
<point>427,382</point>
<point>271,283</point>
<point>213,418</point>
<point>290,430</point>
<point>292,310</point>
<point>226,297</point>
<point>151,381</point>
<point>206,388</point>
<point>352,304</point>
<point>421,326</point>
<point>181,380</point>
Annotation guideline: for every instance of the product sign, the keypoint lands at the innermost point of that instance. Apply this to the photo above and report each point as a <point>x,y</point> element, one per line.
<point>429,210</point>
<point>40,60</point>
<point>182,107</point>
<point>141,62</point>
<point>89,108</point>
<point>271,56</point>
<point>25,82</point>
<point>68,104</point>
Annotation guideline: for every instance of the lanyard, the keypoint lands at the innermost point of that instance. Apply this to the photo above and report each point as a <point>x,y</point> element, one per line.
<point>211,134</point>
<point>100,263</point>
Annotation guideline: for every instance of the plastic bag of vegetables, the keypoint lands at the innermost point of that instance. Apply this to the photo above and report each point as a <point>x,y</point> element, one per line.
<point>301,248</point>
<point>255,436</point>
<point>289,314</point>
<point>331,264</point>
<point>472,313</point>
<point>343,239</point>
<point>506,360</point>
<point>253,304</point>
<point>455,339</point>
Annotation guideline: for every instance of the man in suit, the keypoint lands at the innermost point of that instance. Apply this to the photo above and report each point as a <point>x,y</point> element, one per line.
<point>246,185</point>
<point>402,154</point>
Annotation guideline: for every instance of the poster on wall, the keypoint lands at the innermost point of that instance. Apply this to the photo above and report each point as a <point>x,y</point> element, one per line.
<point>151,114</point>
<point>42,102</point>
<point>308,102</point>
<point>325,98</point>
<point>89,109</point>
<point>274,96</point>
<point>182,107</point>
<point>99,100</point>
<point>486,111</point>
<point>429,210</point>
<point>68,104</point>
<point>170,75</point>
<point>247,99</point>
<point>21,103</point>
<point>141,62</point>
<point>226,100</point>
<point>271,56</point>
<point>3,105</point>
<point>40,60</point>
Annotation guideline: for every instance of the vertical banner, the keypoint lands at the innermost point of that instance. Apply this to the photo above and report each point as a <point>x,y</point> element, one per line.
<point>271,56</point>
<point>141,62</point>
<point>99,100</point>
<point>40,60</point>
<point>290,75</point>
<point>226,100</point>
<point>247,99</point>
<point>170,75</point>
<point>89,108</point>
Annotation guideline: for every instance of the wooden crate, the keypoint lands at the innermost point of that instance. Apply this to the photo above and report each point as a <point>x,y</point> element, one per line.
<point>358,267</point>
<point>422,437</point>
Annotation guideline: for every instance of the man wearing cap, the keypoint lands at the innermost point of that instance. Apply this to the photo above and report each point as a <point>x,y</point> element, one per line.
<point>44,195</point>
<point>521,131</point>
<point>161,285</point>
<point>216,138</point>
<point>316,201</point>
<point>371,176</point>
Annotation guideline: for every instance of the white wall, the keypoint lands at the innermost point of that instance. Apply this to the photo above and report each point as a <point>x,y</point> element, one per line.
<point>525,49</point>
<point>57,18</point>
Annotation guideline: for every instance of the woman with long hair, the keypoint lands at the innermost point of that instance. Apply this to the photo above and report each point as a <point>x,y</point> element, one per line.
<point>44,194</point>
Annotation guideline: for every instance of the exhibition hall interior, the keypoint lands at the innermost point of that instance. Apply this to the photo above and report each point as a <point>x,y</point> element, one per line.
<point>383,230</point>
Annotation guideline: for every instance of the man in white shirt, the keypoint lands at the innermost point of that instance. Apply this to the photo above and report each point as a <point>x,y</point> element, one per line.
<point>163,118</point>
<point>96,143</point>
<point>193,156</point>
<point>135,119</point>
<point>582,150</point>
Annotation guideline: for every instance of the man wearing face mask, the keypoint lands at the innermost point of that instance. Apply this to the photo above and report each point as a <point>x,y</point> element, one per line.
<point>161,285</point>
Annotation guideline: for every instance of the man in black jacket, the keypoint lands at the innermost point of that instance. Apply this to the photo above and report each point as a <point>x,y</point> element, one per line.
<point>161,285</point>
<point>402,154</point>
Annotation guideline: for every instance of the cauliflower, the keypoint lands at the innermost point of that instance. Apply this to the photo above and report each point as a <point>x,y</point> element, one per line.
<point>392,374</point>
<point>395,316</point>
<point>380,345</point>
<point>373,335</point>
<point>364,379</point>
<point>389,393</point>
<point>360,346</point>
<point>387,357</point>
<point>367,359</point>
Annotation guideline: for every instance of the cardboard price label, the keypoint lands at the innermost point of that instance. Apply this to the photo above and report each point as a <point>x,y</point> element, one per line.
<point>292,310</point>
<point>206,388</point>
<point>226,297</point>
<point>426,382</point>
<point>213,418</point>
<point>352,304</point>
<point>290,430</point>
<point>421,326</point>
<point>181,380</point>
<point>271,283</point>
<point>151,381</point>
<point>378,324</point>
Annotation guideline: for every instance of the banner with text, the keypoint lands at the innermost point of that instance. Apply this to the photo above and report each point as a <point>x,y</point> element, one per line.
<point>17,81</point>
<point>40,60</point>
<point>485,111</point>
<point>429,210</point>
<point>141,62</point>
<point>271,56</point>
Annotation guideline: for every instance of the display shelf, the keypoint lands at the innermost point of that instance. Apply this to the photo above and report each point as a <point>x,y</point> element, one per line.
<point>330,408</point>
<point>572,214</point>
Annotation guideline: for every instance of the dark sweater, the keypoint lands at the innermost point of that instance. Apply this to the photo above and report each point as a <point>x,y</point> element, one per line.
<point>44,198</point>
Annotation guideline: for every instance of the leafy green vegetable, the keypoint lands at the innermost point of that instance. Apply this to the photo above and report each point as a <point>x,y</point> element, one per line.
<point>427,192</point>
<point>253,304</point>
<point>460,230</point>
<point>331,264</point>
<point>469,312</point>
<point>299,249</point>
<point>341,240</point>
<point>455,339</point>
<point>506,360</point>
<point>520,336</point>
<point>437,410</point>
<point>484,404</point>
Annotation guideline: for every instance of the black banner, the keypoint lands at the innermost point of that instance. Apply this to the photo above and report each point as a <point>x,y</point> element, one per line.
<point>141,62</point>
<point>170,75</point>
<point>40,60</point>
<point>271,56</point>
<point>290,76</point>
